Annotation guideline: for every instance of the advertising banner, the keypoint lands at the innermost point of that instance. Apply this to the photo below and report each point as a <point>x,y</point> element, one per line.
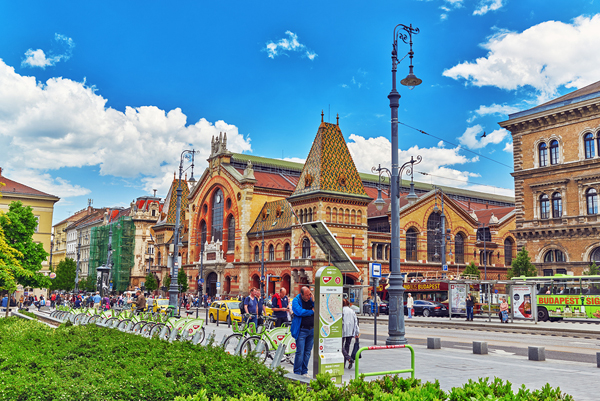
<point>327,354</point>
<point>521,302</point>
<point>458,299</point>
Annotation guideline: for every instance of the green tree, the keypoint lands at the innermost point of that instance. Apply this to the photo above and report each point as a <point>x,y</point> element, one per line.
<point>19,225</point>
<point>65,275</point>
<point>90,283</point>
<point>522,266</point>
<point>167,282</point>
<point>182,280</point>
<point>592,270</point>
<point>151,284</point>
<point>10,267</point>
<point>472,270</point>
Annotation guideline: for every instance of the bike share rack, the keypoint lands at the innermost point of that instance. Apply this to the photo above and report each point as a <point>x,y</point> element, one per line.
<point>390,372</point>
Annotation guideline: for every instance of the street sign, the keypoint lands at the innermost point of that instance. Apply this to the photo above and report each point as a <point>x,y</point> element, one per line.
<point>262,278</point>
<point>201,281</point>
<point>218,284</point>
<point>375,270</point>
<point>327,351</point>
<point>445,268</point>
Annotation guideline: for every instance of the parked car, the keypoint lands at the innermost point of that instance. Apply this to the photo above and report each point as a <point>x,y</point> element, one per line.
<point>369,308</point>
<point>427,308</point>
<point>160,304</point>
<point>225,310</point>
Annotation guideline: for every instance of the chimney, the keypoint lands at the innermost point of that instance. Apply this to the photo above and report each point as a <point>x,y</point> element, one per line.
<point>469,205</point>
<point>0,171</point>
<point>487,205</point>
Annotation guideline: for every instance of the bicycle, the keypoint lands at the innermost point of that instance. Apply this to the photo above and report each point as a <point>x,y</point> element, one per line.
<point>240,332</point>
<point>268,341</point>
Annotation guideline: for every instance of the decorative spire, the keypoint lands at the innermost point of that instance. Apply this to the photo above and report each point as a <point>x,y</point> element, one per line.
<point>338,120</point>
<point>322,115</point>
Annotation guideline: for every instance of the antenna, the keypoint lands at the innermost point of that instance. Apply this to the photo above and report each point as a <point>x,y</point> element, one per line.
<point>90,202</point>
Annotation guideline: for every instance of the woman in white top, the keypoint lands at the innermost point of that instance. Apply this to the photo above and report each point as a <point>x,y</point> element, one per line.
<point>409,305</point>
<point>350,330</point>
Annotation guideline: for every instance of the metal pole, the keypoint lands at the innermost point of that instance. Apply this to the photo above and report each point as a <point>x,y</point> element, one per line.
<point>443,224</point>
<point>262,265</point>
<point>376,309</point>
<point>77,268</point>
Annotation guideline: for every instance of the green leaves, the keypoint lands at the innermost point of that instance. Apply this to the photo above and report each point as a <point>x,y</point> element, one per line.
<point>182,281</point>
<point>65,275</point>
<point>472,270</point>
<point>151,284</point>
<point>522,266</point>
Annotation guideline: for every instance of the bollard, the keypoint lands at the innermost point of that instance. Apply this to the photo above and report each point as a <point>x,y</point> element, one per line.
<point>229,320</point>
<point>598,359</point>
<point>185,335</point>
<point>217,317</point>
<point>238,349</point>
<point>480,347</point>
<point>278,356</point>
<point>197,312</point>
<point>173,335</point>
<point>206,320</point>
<point>210,338</point>
<point>537,353</point>
<point>223,340</point>
<point>434,343</point>
<point>196,338</point>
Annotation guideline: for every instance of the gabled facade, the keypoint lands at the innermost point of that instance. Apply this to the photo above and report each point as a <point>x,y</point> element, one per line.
<point>557,175</point>
<point>242,200</point>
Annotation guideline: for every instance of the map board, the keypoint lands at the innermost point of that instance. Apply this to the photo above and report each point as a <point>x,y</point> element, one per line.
<point>327,352</point>
<point>458,299</point>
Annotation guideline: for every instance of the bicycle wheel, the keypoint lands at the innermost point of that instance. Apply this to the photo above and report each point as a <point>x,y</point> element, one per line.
<point>138,327</point>
<point>93,319</point>
<point>112,321</point>
<point>147,328</point>
<point>251,344</point>
<point>122,324</point>
<point>155,331</point>
<point>232,342</point>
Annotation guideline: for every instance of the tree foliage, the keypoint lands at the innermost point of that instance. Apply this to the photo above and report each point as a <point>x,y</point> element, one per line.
<point>167,281</point>
<point>65,275</point>
<point>151,284</point>
<point>472,270</point>
<point>522,266</point>
<point>592,270</point>
<point>182,280</point>
<point>90,283</point>
<point>19,225</point>
<point>10,267</point>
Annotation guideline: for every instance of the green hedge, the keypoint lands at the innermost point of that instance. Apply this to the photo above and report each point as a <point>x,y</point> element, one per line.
<point>397,388</point>
<point>91,363</point>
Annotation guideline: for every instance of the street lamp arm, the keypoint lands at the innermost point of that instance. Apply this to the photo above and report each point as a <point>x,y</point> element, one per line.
<point>409,170</point>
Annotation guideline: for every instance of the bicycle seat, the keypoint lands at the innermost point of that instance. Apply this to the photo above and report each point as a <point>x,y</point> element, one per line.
<point>189,312</point>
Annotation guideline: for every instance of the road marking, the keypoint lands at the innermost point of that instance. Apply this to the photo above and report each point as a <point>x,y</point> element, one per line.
<point>502,352</point>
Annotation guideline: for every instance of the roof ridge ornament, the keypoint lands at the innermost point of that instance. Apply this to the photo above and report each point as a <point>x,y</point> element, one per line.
<point>338,120</point>
<point>322,115</point>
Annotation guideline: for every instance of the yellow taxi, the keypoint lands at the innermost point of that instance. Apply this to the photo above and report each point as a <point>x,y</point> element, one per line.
<point>225,307</point>
<point>160,304</point>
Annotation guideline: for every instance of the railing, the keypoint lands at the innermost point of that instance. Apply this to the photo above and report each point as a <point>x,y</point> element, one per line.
<point>390,372</point>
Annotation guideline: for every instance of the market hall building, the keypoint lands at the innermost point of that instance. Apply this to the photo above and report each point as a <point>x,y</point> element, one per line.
<point>241,199</point>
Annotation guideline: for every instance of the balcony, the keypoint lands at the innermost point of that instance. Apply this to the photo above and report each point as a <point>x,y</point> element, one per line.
<point>301,263</point>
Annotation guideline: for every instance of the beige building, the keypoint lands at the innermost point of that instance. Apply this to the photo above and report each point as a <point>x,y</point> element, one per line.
<point>42,205</point>
<point>557,181</point>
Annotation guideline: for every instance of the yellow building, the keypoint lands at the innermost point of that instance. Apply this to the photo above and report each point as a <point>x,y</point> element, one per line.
<point>42,205</point>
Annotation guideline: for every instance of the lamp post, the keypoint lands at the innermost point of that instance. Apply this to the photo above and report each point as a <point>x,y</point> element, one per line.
<point>396,289</point>
<point>174,287</point>
<point>442,224</point>
<point>483,227</point>
<point>77,267</point>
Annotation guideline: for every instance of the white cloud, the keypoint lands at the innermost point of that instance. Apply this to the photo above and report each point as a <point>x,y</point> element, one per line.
<point>294,159</point>
<point>472,139</point>
<point>494,109</point>
<point>541,57</point>
<point>436,164</point>
<point>487,5</point>
<point>62,52</point>
<point>508,147</point>
<point>45,182</point>
<point>64,123</point>
<point>289,44</point>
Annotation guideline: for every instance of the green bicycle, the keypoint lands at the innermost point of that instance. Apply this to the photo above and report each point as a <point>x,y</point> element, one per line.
<point>265,343</point>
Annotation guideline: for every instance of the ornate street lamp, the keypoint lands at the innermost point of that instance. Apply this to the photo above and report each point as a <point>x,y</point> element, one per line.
<point>396,288</point>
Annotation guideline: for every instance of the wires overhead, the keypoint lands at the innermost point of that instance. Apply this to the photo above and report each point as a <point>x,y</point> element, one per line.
<point>454,144</point>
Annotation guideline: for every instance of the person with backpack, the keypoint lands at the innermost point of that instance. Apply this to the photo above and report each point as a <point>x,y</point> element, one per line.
<point>252,307</point>
<point>280,307</point>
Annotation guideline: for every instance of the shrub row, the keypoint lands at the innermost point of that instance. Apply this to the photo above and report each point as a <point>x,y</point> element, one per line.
<point>91,363</point>
<point>398,388</point>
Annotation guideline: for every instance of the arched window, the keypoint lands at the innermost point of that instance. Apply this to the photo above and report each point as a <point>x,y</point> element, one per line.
<point>231,234</point>
<point>217,216</point>
<point>554,152</point>
<point>271,252</point>
<point>305,248</point>
<point>591,200</point>
<point>301,216</point>
<point>334,215</point>
<point>202,234</point>
<point>380,252</point>
<point>287,252</point>
<point>328,215</point>
<point>544,207</point>
<point>256,254</point>
<point>508,251</point>
<point>543,153</point>
<point>554,255</point>
<point>595,257</point>
<point>556,205</point>
<point>434,237</point>
<point>459,248</point>
<point>310,214</point>
<point>588,144</point>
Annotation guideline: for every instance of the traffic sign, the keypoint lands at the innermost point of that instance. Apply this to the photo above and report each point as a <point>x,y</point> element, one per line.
<point>218,284</point>
<point>445,268</point>
<point>201,281</point>
<point>375,270</point>
<point>262,278</point>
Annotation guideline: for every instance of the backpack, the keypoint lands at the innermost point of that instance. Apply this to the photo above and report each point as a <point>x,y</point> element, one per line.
<point>241,305</point>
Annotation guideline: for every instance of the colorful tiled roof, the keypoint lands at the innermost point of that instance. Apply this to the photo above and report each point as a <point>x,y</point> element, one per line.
<point>172,206</point>
<point>329,166</point>
<point>274,216</point>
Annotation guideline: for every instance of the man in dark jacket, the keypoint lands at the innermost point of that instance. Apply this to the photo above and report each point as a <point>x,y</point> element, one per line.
<point>302,329</point>
<point>470,305</point>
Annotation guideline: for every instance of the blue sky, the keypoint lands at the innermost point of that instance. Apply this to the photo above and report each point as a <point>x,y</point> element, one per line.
<point>97,99</point>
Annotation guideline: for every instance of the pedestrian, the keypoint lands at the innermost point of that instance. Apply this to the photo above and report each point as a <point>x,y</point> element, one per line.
<point>281,307</point>
<point>504,310</point>
<point>41,302</point>
<point>409,305</point>
<point>97,298</point>
<point>5,302</point>
<point>350,330</point>
<point>251,306</point>
<point>470,305</point>
<point>140,302</point>
<point>53,299</point>
<point>303,307</point>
